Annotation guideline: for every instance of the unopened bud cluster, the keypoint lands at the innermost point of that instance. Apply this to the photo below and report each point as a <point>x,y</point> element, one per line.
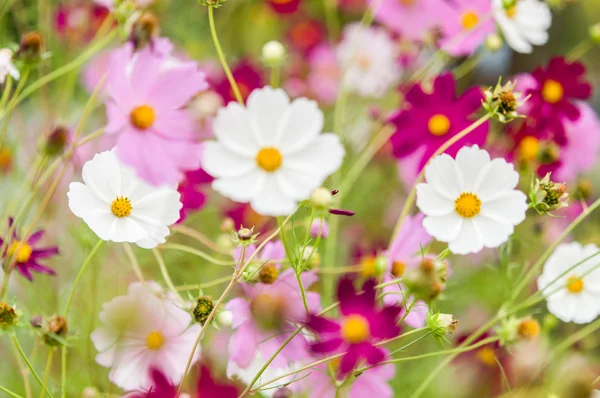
<point>427,281</point>
<point>546,196</point>
<point>501,102</point>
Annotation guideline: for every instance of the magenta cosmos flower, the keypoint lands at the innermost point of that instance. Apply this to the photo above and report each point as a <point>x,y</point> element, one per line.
<point>147,95</point>
<point>26,255</point>
<point>412,19</point>
<point>433,118</point>
<point>247,78</point>
<point>284,6</point>
<point>554,94</point>
<point>267,313</point>
<point>193,197</point>
<point>362,324</point>
<point>465,25</point>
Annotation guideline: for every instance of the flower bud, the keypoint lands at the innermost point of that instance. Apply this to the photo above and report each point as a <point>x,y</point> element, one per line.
<point>8,315</point>
<point>31,47</point>
<point>426,282</point>
<point>225,319</point>
<point>546,196</point>
<point>283,392</point>
<point>204,306</point>
<point>57,327</point>
<point>227,224</point>
<point>144,30</point>
<point>321,198</point>
<point>595,33</point>
<point>528,329</point>
<point>441,324</point>
<point>583,191</point>
<point>212,3</point>
<point>502,102</point>
<point>57,141</point>
<point>36,321</point>
<point>312,258</point>
<point>273,54</point>
<point>268,274</point>
<point>494,42</point>
<point>245,236</point>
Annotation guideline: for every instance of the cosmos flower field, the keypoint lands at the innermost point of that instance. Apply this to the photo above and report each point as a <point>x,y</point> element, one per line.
<point>299,198</point>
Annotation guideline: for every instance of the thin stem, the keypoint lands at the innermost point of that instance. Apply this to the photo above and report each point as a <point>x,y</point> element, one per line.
<point>213,32</point>
<point>165,273</point>
<point>206,285</point>
<point>63,372</point>
<point>413,192</point>
<point>29,365</point>
<point>196,252</point>
<point>47,372</point>
<point>275,76</point>
<point>9,392</point>
<point>133,260</point>
<point>87,261</point>
<point>12,104</point>
<point>192,233</point>
<point>580,50</point>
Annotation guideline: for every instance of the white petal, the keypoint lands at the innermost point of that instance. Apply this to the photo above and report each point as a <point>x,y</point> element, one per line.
<point>232,128</point>
<point>267,107</point>
<point>220,161</point>
<point>125,229</point>
<point>162,205</point>
<point>507,207</point>
<point>299,126</point>
<point>443,228</point>
<point>271,201</point>
<point>443,175</point>
<point>295,184</point>
<point>492,232</point>
<point>102,175</point>
<point>468,239</point>
<point>243,188</point>
<point>497,177</point>
<point>101,222</point>
<point>321,158</point>
<point>471,161</point>
<point>431,203</point>
<point>82,200</point>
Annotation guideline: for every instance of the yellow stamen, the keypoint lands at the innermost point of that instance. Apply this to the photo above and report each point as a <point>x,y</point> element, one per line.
<point>487,356</point>
<point>553,91</point>
<point>470,20</point>
<point>529,149</point>
<point>467,205</point>
<point>121,207</point>
<point>21,250</point>
<point>529,329</point>
<point>398,268</point>
<point>511,11</point>
<point>408,2</point>
<point>368,267</point>
<point>574,284</point>
<point>142,117</point>
<point>438,125</point>
<point>155,341</point>
<point>355,329</point>
<point>269,159</point>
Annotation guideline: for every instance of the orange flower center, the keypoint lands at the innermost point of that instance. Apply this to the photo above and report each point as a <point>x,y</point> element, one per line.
<point>121,207</point>
<point>21,250</point>
<point>511,11</point>
<point>155,341</point>
<point>142,117</point>
<point>355,329</point>
<point>574,284</point>
<point>438,125</point>
<point>269,159</point>
<point>553,91</point>
<point>467,205</point>
<point>529,148</point>
<point>470,20</point>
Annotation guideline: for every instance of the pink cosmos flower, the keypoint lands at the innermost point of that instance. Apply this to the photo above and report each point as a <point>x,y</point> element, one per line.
<point>305,35</point>
<point>284,6</point>
<point>405,252</point>
<point>247,78</point>
<point>264,317</point>
<point>146,96</point>
<point>192,195</point>
<point>79,21</point>
<point>320,227</point>
<point>412,19</point>
<point>553,96</point>
<point>26,255</point>
<point>373,382</point>
<point>433,118</point>
<point>361,326</point>
<point>325,75</point>
<point>466,26</point>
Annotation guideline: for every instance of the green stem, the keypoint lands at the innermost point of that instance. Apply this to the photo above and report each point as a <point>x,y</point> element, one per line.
<point>580,50</point>
<point>12,104</point>
<point>63,373</point>
<point>9,392</point>
<point>87,261</point>
<point>196,252</point>
<point>165,273</point>
<point>275,76</point>
<point>29,365</point>
<point>206,285</point>
<point>47,371</point>
<point>213,32</point>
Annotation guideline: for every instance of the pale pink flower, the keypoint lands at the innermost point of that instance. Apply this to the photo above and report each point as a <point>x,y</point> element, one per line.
<point>412,19</point>
<point>147,95</point>
<point>325,75</point>
<point>465,26</point>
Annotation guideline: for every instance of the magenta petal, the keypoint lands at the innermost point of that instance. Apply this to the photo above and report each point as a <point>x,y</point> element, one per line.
<point>326,346</point>
<point>373,354</point>
<point>444,87</point>
<point>23,270</point>
<point>41,269</point>
<point>35,237</point>
<point>46,252</point>
<point>322,325</point>
<point>350,359</point>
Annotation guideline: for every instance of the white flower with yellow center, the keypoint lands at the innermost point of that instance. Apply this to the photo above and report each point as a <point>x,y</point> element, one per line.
<point>6,66</point>
<point>471,202</point>
<point>143,330</point>
<point>573,295</point>
<point>119,206</point>
<point>524,23</point>
<point>271,152</point>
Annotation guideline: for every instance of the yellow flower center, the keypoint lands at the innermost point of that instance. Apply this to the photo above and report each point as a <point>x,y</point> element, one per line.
<point>363,62</point>
<point>529,149</point>
<point>511,11</point>
<point>574,284</point>
<point>438,125</point>
<point>470,20</point>
<point>155,340</point>
<point>398,268</point>
<point>467,205</point>
<point>142,117</point>
<point>553,91</point>
<point>529,329</point>
<point>21,251</point>
<point>408,2</point>
<point>269,159</point>
<point>121,207</point>
<point>355,329</point>
<point>487,356</point>
<point>368,267</point>
<point>5,159</point>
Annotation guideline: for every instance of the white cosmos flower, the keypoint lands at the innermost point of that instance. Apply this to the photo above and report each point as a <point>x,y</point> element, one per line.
<point>271,152</point>
<point>471,202</point>
<point>6,66</point>
<point>575,296</point>
<point>119,206</point>
<point>524,24</point>
<point>369,59</point>
<point>141,331</point>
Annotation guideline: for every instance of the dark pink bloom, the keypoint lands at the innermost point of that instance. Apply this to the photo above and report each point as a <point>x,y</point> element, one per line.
<point>284,6</point>
<point>79,22</point>
<point>161,387</point>
<point>433,118</point>
<point>192,195</point>
<point>554,94</point>
<point>305,35</point>
<point>361,326</point>
<point>26,255</point>
<point>247,78</point>
<point>208,386</point>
